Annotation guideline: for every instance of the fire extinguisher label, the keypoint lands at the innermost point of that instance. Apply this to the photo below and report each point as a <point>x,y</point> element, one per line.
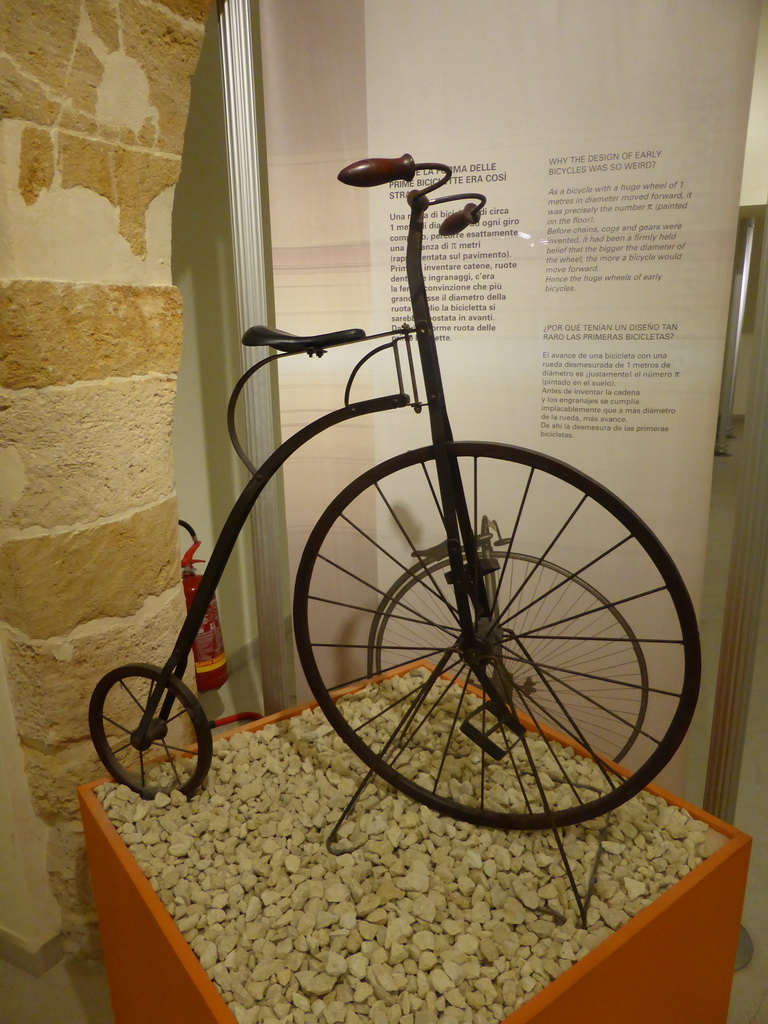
<point>211,664</point>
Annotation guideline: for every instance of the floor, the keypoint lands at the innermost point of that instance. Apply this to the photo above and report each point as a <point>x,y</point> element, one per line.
<point>72,993</point>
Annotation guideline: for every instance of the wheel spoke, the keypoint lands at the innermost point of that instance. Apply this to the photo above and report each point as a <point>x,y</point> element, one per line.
<point>513,762</point>
<point>430,710</point>
<point>117,750</point>
<point>379,714</point>
<point>171,761</point>
<point>129,765</point>
<point>592,611</point>
<point>582,694</point>
<point>451,731</point>
<point>422,620</point>
<point>116,724</point>
<point>512,536</point>
<point>542,558</point>
<point>433,590</point>
<point>407,718</point>
<point>567,578</point>
<point>613,680</point>
<point>541,732</point>
<point>127,689</point>
<point>359,579</point>
<point>181,750</point>
<point>412,547</point>
<point>579,668</point>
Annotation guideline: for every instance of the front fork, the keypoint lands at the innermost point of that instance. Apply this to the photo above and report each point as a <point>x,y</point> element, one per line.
<point>473,579</point>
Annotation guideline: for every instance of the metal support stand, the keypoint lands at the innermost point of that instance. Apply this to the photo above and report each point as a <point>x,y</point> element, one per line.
<point>330,842</point>
<point>582,900</point>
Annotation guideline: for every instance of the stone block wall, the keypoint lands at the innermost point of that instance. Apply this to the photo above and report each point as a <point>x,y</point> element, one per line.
<point>93,99</point>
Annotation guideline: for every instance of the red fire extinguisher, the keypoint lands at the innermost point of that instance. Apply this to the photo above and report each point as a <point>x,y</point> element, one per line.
<point>208,649</point>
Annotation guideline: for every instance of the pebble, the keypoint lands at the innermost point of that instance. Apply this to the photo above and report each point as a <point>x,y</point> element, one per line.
<point>635,887</point>
<point>316,982</point>
<point>416,880</point>
<point>440,981</point>
<point>430,919</point>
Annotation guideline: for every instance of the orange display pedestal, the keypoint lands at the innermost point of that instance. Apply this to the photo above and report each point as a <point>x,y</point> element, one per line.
<point>670,964</point>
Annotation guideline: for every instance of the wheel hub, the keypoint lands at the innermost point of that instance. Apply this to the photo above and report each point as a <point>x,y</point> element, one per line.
<point>158,730</point>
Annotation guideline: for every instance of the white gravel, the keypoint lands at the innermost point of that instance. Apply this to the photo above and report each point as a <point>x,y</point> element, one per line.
<point>430,919</point>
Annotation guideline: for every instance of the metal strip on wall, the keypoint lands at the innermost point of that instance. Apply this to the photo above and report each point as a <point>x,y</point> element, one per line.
<point>733,337</point>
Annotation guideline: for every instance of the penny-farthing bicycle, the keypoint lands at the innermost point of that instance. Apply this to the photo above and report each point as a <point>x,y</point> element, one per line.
<point>531,646</point>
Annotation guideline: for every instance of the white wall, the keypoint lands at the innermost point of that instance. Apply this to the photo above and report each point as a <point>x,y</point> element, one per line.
<point>29,914</point>
<point>754,186</point>
<point>754,190</point>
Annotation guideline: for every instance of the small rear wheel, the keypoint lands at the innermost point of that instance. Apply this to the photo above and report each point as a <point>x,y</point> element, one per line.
<point>171,750</point>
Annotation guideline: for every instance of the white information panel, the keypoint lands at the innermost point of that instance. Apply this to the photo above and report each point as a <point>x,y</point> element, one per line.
<point>584,316</point>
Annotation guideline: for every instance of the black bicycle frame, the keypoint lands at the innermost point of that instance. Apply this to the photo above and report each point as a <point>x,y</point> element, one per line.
<point>472,601</point>
<point>177,662</point>
<point>242,509</point>
<point>458,527</point>
<point>471,595</point>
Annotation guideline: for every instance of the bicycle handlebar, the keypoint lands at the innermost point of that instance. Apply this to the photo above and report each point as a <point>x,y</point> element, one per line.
<point>456,222</point>
<point>378,171</point>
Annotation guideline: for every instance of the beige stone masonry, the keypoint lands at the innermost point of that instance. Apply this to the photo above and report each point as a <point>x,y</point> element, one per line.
<point>130,179</point>
<point>93,106</point>
<point>54,332</point>
<point>71,884</point>
<point>20,96</point>
<point>102,15</point>
<point>55,582</point>
<point>86,162</point>
<point>85,452</point>
<point>52,680</point>
<point>36,164</point>
<point>37,40</point>
<point>139,179</point>
<point>55,775</point>
<point>167,47</point>
<point>196,10</point>
<point>66,63</point>
<point>93,224</point>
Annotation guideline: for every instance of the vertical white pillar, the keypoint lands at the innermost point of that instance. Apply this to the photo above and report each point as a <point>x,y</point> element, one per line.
<point>261,432</point>
<point>746,579</point>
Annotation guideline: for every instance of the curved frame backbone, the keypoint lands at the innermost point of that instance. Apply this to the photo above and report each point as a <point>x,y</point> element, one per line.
<point>222,550</point>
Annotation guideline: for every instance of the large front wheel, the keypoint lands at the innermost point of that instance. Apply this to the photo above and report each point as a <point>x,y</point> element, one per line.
<point>591,639</point>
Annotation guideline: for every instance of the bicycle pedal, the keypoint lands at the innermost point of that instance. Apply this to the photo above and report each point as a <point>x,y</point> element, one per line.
<point>501,717</point>
<point>483,741</point>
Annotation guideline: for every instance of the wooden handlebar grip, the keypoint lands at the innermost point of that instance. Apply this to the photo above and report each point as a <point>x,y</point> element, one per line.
<point>378,171</point>
<point>456,222</point>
